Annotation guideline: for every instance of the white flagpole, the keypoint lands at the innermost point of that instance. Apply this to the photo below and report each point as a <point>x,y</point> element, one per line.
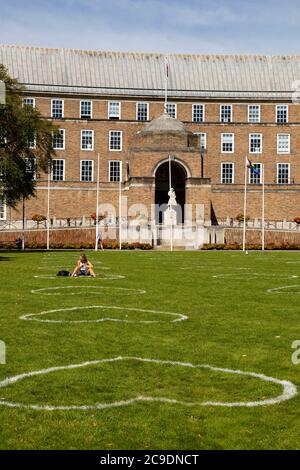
<point>97,202</point>
<point>170,207</point>
<point>166,82</point>
<point>245,207</point>
<point>263,208</point>
<point>48,207</point>
<point>120,206</point>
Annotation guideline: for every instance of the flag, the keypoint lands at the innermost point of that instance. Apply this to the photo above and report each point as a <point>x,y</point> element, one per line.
<point>252,166</point>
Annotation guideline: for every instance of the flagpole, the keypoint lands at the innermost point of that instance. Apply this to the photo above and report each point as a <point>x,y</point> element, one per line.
<point>120,206</point>
<point>97,202</point>
<point>263,208</point>
<point>48,207</point>
<point>170,207</point>
<point>245,207</point>
<point>166,82</point>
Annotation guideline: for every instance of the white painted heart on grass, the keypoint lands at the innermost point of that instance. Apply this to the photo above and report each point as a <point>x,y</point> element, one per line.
<point>289,390</point>
<point>127,311</point>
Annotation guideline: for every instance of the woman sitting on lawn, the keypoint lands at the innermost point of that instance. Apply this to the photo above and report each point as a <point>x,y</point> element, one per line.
<point>83,267</point>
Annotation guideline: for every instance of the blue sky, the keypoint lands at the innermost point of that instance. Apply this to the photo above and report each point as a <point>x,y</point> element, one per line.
<point>181,26</point>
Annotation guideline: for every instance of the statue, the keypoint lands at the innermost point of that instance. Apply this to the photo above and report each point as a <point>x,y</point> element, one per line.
<point>170,215</point>
<point>172,198</point>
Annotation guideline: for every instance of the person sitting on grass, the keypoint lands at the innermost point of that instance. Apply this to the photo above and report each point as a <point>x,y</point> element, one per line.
<point>84,267</point>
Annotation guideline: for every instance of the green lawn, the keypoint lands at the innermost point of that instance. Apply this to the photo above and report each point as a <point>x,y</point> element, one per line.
<point>138,308</point>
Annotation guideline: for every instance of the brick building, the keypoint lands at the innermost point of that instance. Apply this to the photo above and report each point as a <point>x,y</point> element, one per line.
<point>220,109</point>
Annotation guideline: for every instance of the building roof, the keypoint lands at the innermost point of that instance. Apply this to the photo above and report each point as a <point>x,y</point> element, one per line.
<point>143,74</point>
<point>164,124</point>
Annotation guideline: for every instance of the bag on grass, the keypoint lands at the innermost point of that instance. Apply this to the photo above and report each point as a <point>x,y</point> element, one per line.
<point>63,273</point>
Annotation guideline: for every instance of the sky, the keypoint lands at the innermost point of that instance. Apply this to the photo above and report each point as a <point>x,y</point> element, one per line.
<point>167,26</point>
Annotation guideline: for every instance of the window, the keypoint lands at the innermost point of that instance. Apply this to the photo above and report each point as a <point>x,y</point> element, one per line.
<point>198,113</point>
<point>29,102</point>
<point>226,113</point>
<point>2,208</point>
<point>172,110</point>
<point>283,173</point>
<point>254,113</point>
<point>87,140</point>
<point>86,170</point>
<point>114,171</point>
<point>282,114</point>
<point>202,138</point>
<point>227,145</point>
<point>255,143</point>
<point>86,109</point>
<point>227,173</point>
<point>59,140</point>
<point>255,177</point>
<point>57,109</point>
<point>30,167</point>
<point>283,143</point>
<point>32,141</point>
<point>58,170</point>
<point>115,141</point>
<point>142,111</point>
<point>114,110</point>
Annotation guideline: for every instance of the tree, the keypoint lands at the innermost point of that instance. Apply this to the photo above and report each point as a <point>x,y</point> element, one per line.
<point>26,148</point>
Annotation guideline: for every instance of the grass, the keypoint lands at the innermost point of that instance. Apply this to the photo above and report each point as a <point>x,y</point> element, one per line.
<point>233,323</point>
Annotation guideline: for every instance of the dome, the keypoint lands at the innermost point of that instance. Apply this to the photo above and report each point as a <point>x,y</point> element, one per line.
<point>164,124</point>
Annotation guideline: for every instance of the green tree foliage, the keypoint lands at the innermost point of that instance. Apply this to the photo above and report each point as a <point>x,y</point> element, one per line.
<point>20,161</point>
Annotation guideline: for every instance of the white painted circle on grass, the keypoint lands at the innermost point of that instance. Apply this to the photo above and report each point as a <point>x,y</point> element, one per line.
<point>284,290</point>
<point>254,276</point>
<point>289,390</point>
<point>36,316</point>
<point>109,277</point>
<point>66,290</point>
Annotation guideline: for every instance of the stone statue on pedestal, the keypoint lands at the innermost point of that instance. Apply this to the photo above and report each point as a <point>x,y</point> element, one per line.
<point>172,198</point>
<point>170,215</point>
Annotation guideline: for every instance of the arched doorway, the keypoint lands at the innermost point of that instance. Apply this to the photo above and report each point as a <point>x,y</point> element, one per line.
<point>162,186</point>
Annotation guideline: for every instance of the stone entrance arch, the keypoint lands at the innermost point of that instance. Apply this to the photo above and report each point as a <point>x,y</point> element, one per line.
<point>162,184</point>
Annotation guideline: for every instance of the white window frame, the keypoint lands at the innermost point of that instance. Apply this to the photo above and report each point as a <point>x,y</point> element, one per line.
<point>26,104</point>
<point>233,172</point>
<point>289,172</point>
<point>81,172</point>
<point>231,113</point>
<point>64,170</point>
<point>137,108</point>
<point>114,118</point>
<point>121,141</point>
<point>233,142</point>
<point>3,212</point>
<point>203,112</point>
<point>63,108</point>
<point>64,140</point>
<point>287,113</point>
<point>175,105</point>
<point>33,147</point>
<point>261,143</point>
<point>260,173</point>
<point>34,162</point>
<point>80,113</point>
<point>259,113</point>
<point>93,140</point>
<point>109,170</point>
<point>288,151</point>
<point>204,134</point>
